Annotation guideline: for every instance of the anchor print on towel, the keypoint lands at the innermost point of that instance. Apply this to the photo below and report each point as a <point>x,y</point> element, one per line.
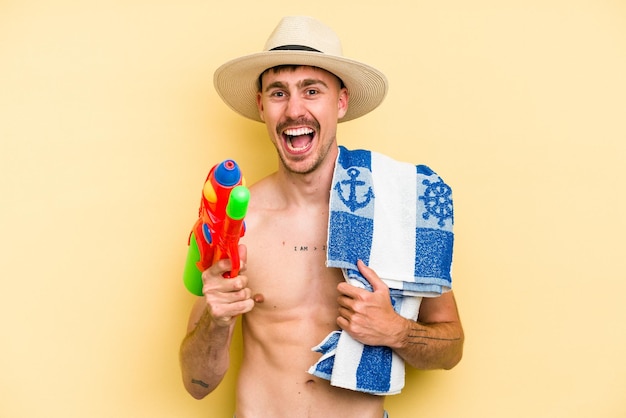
<point>353,201</point>
<point>438,201</point>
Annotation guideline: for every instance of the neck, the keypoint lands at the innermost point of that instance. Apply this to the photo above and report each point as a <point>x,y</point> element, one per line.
<point>311,188</point>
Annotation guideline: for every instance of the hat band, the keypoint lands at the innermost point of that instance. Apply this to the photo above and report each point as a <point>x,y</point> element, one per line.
<point>294,48</point>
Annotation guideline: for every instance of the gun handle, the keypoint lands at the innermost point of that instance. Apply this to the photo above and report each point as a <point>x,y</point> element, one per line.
<point>228,245</point>
<point>234,259</point>
<point>192,276</point>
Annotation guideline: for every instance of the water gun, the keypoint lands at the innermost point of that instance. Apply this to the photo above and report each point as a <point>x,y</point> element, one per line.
<point>215,235</point>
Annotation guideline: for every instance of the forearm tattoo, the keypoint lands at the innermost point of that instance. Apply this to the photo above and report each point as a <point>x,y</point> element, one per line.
<point>200,383</point>
<point>417,337</point>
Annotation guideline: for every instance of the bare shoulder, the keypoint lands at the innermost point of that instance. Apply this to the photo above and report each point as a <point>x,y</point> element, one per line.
<point>264,194</point>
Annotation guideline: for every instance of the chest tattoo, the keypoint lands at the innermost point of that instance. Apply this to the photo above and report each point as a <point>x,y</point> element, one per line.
<point>309,248</point>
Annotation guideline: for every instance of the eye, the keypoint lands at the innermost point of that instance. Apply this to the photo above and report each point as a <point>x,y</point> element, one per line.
<point>311,92</point>
<point>278,93</point>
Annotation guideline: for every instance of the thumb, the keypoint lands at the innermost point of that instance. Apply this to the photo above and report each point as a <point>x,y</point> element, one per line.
<point>243,256</point>
<point>243,252</point>
<point>371,276</point>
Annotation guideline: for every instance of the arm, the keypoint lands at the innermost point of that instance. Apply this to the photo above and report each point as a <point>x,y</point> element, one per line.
<point>434,341</point>
<point>205,351</point>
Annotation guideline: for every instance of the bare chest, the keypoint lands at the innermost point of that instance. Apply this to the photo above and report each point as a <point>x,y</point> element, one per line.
<point>286,263</point>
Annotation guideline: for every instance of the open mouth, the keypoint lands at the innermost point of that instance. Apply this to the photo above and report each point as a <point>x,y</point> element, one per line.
<point>298,139</point>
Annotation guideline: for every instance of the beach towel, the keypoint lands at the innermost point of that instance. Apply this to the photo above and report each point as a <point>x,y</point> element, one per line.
<point>398,219</point>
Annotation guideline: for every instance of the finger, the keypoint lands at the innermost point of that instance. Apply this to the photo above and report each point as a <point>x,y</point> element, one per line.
<point>218,285</point>
<point>345,313</point>
<point>237,288</point>
<point>371,276</point>
<point>225,296</point>
<point>219,267</point>
<point>343,323</point>
<point>343,302</point>
<point>243,257</point>
<point>243,252</point>
<point>348,290</point>
<point>227,312</point>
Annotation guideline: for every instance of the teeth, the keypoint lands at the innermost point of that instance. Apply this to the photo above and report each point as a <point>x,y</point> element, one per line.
<point>298,131</point>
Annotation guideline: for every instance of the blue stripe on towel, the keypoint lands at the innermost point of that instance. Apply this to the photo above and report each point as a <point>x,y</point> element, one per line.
<point>352,219</point>
<point>354,245</point>
<point>352,191</point>
<point>433,249</point>
<point>355,158</point>
<point>374,371</point>
<point>328,347</point>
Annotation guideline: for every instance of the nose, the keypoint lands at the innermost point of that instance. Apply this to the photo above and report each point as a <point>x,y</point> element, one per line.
<point>295,107</point>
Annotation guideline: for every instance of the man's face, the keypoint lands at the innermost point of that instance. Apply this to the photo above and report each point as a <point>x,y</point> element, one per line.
<point>300,107</point>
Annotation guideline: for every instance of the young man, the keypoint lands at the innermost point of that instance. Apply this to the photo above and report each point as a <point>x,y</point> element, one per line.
<point>289,301</point>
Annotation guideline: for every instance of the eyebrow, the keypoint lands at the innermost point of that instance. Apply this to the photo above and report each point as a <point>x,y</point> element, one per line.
<point>307,82</point>
<point>310,82</point>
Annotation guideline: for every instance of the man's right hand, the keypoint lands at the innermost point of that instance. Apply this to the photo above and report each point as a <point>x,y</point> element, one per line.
<point>228,298</point>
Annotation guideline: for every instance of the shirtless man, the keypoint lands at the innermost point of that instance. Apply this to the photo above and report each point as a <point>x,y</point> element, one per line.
<point>287,299</point>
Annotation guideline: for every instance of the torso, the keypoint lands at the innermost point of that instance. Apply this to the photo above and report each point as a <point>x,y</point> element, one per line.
<point>286,263</point>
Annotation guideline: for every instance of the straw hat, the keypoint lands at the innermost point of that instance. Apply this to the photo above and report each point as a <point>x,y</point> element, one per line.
<point>300,40</point>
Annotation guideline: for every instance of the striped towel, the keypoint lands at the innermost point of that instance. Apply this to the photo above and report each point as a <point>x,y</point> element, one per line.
<point>398,219</point>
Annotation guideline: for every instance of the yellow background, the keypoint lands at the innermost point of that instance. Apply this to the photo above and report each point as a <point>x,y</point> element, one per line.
<point>109,124</point>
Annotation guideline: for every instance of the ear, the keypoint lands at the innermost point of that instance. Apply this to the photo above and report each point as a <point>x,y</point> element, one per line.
<point>259,105</point>
<point>344,98</point>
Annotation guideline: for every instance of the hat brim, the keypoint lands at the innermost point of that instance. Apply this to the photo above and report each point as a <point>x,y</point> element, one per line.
<point>236,81</point>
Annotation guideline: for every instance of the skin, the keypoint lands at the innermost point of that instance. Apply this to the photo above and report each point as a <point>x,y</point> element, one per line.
<point>287,299</point>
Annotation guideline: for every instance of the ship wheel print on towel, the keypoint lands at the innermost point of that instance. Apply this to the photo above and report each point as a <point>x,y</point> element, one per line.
<point>355,186</point>
<point>438,201</point>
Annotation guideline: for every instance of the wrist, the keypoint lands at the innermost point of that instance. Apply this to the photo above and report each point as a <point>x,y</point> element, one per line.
<point>401,331</point>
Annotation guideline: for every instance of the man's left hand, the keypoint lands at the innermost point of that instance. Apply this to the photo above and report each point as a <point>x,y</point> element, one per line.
<point>369,316</point>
